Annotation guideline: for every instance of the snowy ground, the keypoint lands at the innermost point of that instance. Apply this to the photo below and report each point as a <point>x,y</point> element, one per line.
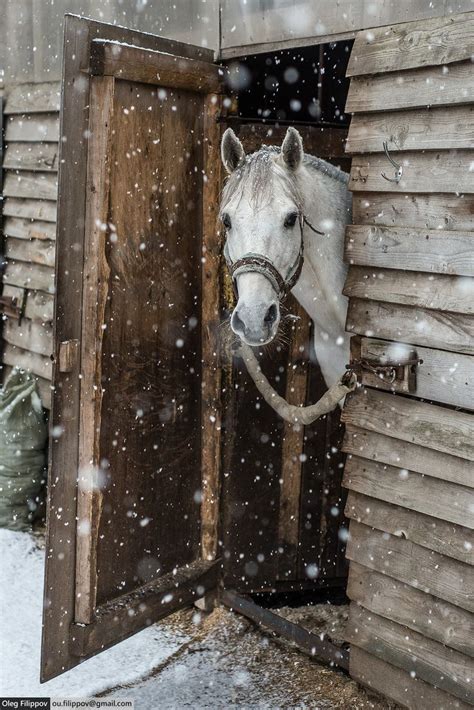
<point>190,660</point>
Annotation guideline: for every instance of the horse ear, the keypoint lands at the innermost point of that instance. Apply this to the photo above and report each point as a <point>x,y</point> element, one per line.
<point>232,151</point>
<point>292,149</point>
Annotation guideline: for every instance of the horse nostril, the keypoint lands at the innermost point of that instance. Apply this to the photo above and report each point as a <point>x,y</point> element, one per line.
<point>238,326</point>
<point>271,315</point>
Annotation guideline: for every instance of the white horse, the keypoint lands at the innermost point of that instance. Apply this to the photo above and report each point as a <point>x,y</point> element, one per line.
<point>285,214</point>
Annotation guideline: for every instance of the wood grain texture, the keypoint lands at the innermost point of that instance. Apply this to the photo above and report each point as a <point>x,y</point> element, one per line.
<point>42,128</point>
<point>416,492</point>
<point>39,306</point>
<point>412,564</point>
<point>321,141</point>
<point>423,211</point>
<point>31,156</point>
<point>398,685</point>
<point>35,251</point>
<point>448,539</point>
<point>432,86</point>
<point>416,422</point>
<point>429,172</point>
<point>377,446</point>
<point>40,186</point>
<point>154,67</point>
<point>409,249</point>
<point>31,276</point>
<point>24,228</point>
<point>421,612</point>
<point>408,45</point>
<point>415,129</point>
<point>435,291</point>
<point>411,651</point>
<point>30,209</point>
<point>33,98</point>
<point>28,335</point>
<point>32,362</point>
<point>412,325</point>
<point>442,376</point>
<point>211,417</point>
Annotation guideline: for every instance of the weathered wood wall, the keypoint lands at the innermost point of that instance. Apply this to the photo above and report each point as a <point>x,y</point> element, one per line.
<point>410,470</point>
<point>30,166</point>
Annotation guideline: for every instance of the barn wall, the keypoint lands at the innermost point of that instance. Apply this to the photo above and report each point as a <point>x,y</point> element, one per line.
<point>411,283</point>
<point>31,31</point>
<point>250,26</point>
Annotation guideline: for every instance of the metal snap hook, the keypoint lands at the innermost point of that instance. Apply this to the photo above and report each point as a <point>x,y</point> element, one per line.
<point>397,166</point>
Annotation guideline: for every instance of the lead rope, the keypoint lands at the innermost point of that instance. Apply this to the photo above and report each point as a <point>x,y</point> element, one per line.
<point>290,412</point>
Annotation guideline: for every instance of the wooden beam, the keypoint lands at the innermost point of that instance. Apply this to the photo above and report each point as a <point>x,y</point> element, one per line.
<point>411,325</point>
<point>434,618</point>
<point>424,211</point>
<point>321,141</point>
<point>429,172</point>
<point>377,446</point>
<point>416,129</point>
<point>123,61</point>
<point>436,534</point>
<point>426,87</point>
<point>405,46</point>
<point>411,651</point>
<point>429,425</point>
<point>398,685</point>
<point>412,564</point>
<point>415,491</point>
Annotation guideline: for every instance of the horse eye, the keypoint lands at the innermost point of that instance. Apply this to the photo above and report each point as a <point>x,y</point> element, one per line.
<point>226,221</point>
<point>290,219</point>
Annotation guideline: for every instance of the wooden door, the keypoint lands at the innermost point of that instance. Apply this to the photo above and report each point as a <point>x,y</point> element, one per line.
<point>131,520</point>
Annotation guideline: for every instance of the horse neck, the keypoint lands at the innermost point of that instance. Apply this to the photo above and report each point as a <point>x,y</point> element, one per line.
<point>326,201</point>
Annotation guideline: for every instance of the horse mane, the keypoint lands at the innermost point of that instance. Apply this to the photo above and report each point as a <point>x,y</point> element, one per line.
<point>258,168</point>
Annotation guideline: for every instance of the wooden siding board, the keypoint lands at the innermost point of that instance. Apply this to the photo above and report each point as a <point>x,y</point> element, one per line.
<point>436,534</point>
<point>33,98</point>
<point>416,326</point>
<point>419,211</point>
<point>411,651</point>
<point>39,306</point>
<point>33,362</point>
<point>429,425</point>
<point>441,576</point>
<point>398,685</point>
<point>421,612</point>
<point>431,42</point>
<point>44,210</point>
<point>30,276</point>
<point>435,291</point>
<point>417,492</point>
<point>43,128</point>
<point>23,228</point>
<point>31,156</point>
<point>430,172</point>
<point>432,86</point>
<point>377,446</point>
<point>35,251</point>
<point>29,335</point>
<point>446,128</point>
<point>39,186</point>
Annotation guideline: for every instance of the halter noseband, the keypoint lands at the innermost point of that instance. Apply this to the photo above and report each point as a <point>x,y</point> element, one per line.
<point>258,263</point>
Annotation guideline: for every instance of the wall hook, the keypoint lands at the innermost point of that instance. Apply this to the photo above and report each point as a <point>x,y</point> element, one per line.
<point>398,168</point>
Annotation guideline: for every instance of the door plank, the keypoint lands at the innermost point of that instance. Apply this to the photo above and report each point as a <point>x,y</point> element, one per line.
<point>411,651</point>
<point>436,291</point>
<point>436,211</point>
<point>30,209</point>
<point>426,87</point>
<point>412,564</point>
<point>414,491</point>
<point>394,600</point>
<point>35,251</point>
<point>43,128</point>
<point>443,127</point>
<point>43,186</point>
<point>375,445</point>
<point>159,68</point>
<point>446,171</point>
<point>420,423</point>
<point>31,156</point>
<point>415,326</point>
<point>404,46</point>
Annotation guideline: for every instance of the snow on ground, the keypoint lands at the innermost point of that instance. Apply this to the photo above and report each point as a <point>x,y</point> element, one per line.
<point>21,601</point>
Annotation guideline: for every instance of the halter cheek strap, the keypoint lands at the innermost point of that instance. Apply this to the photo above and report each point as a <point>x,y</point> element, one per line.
<point>260,264</point>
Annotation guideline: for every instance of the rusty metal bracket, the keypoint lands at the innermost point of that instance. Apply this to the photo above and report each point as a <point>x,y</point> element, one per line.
<point>392,373</point>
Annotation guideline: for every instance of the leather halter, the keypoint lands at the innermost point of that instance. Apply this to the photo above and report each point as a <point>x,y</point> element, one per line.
<point>258,263</point>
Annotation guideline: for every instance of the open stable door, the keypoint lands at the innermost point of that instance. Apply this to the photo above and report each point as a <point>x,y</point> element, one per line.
<point>132,522</point>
